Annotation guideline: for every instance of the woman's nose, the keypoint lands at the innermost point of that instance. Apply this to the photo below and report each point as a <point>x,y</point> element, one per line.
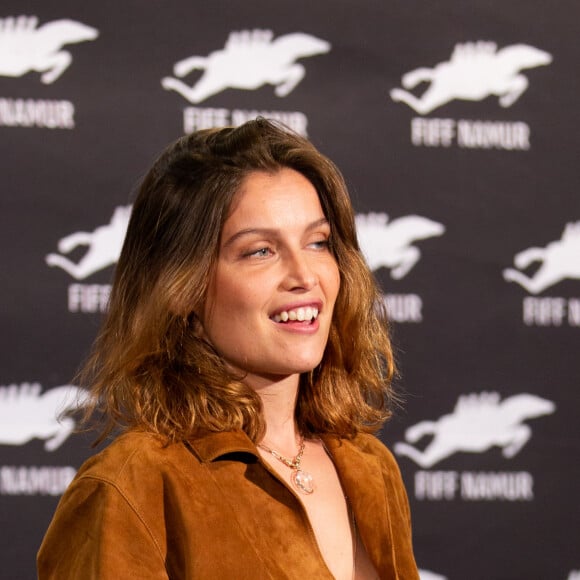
<point>299,274</point>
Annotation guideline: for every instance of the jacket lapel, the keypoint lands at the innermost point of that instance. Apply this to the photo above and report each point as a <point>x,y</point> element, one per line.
<point>364,485</point>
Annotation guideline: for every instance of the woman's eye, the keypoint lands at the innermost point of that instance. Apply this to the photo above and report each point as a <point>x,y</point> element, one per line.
<point>321,244</point>
<point>259,253</point>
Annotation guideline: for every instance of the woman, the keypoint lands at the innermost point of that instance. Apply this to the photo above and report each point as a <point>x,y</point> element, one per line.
<point>245,356</point>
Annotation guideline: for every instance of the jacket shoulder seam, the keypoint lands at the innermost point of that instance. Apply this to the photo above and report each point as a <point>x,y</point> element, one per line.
<point>131,505</point>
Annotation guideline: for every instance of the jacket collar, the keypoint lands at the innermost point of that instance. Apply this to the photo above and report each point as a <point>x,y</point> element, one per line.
<point>211,445</point>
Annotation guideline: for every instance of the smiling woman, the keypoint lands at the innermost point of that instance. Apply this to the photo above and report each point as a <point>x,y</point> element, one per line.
<point>274,262</point>
<point>246,360</point>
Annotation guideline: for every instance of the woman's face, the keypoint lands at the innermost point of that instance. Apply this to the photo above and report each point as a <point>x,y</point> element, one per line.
<point>270,303</point>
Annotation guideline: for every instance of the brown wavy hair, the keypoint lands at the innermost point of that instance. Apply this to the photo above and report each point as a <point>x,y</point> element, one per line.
<point>152,369</point>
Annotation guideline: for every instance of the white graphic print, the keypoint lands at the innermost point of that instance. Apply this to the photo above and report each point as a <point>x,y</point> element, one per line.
<point>478,422</point>
<point>25,48</point>
<point>104,246</point>
<point>427,575</point>
<point>26,413</point>
<point>389,245</point>
<point>560,260</point>
<point>249,59</point>
<point>475,71</point>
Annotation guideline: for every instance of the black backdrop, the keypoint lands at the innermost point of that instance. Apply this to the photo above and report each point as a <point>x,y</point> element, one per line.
<point>452,200</point>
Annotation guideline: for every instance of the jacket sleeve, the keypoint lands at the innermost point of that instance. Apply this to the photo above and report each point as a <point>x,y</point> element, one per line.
<point>97,534</point>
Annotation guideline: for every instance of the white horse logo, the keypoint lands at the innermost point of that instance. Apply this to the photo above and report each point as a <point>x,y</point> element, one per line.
<point>104,246</point>
<point>250,59</point>
<point>427,575</point>
<point>26,413</point>
<point>389,245</point>
<point>475,71</point>
<point>478,422</point>
<point>560,260</point>
<point>24,47</point>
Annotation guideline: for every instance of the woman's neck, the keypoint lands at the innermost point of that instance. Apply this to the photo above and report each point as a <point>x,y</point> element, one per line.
<point>278,407</point>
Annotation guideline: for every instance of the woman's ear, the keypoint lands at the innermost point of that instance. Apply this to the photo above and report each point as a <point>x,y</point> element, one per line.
<point>195,325</point>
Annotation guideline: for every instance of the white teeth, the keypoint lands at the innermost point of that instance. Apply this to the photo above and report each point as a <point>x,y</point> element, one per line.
<point>300,314</point>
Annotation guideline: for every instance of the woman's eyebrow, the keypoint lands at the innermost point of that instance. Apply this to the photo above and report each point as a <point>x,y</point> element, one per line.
<point>269,231</point>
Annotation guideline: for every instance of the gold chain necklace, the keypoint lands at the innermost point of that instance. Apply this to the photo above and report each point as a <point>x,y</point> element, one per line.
<point>302,480</point>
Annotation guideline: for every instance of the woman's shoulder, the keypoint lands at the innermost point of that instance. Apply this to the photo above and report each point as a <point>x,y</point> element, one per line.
<point>389,467</point>
<point>367,447</point>
<point>130,456</point>
<point>370,443</point>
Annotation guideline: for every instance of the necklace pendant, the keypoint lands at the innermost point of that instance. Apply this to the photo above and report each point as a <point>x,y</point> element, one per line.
<point>303,481</point>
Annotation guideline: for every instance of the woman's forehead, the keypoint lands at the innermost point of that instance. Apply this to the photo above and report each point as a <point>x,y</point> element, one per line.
<point>279,199</point>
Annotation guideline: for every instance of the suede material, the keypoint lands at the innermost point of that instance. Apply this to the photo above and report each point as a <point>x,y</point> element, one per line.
<point>211,508</point>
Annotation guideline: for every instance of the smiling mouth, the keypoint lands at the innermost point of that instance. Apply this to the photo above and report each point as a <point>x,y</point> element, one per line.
<point>306,315</point>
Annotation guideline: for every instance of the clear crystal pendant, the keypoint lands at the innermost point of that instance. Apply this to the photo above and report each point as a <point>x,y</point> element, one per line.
<point>303,481</point>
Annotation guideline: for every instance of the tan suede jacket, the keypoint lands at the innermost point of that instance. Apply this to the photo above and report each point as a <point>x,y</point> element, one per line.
<point>210,508</point>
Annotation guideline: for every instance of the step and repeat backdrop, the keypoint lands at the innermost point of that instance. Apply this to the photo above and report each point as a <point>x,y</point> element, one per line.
<point>456,125</point>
